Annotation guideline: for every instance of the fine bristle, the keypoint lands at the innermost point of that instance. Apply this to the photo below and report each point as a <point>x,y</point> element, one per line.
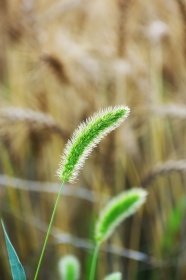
<point>86,137</point>
<point>117,210</point>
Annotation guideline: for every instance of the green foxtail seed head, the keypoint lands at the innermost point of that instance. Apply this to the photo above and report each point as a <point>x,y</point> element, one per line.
<point>69,268</point>
<point>86,137</point>
<point>118,209</point>
<point>114,276</point>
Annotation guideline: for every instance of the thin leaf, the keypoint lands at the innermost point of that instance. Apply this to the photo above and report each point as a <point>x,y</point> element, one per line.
<point>16,267</point>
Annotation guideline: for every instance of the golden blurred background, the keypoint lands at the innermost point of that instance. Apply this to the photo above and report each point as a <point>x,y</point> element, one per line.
<point>60,61</point>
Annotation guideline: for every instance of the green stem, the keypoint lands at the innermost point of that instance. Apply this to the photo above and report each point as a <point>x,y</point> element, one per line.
<point>48,231</point>
<point>94,261</point>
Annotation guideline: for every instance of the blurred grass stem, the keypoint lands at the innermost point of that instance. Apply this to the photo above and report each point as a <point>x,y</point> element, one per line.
<point>48,231</point>
<point>94,260</point>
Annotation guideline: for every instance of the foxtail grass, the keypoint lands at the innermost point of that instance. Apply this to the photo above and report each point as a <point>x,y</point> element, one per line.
<point>83,140</point>
<point>86,137</point>
<point>69,268</point>
<point>115,212</point>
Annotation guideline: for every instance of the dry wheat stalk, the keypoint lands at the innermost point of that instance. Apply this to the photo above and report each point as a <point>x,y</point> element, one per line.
<point>163,169</point>
<point>171,110</point>
<point>58,9</point>
<point>57,66</point>
<point>36,120</point>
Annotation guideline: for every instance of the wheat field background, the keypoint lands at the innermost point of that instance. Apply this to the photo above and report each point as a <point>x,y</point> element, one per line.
<point>60,61</point>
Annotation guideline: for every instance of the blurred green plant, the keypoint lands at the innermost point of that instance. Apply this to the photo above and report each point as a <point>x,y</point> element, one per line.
<point>174,222</point>
<point>69,268</point>
<point>114,276</point>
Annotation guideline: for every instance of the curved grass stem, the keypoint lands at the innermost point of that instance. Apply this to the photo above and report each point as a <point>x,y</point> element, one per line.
<point>94,261</point>
<point>48,231</point>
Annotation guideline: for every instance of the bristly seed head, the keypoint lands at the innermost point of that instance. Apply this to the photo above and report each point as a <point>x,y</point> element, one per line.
<point>117,210</point>
<point>69,268</point>
<point>86,137</point>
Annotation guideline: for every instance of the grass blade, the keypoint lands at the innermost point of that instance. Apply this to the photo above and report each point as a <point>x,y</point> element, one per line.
<point>16,267</point>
